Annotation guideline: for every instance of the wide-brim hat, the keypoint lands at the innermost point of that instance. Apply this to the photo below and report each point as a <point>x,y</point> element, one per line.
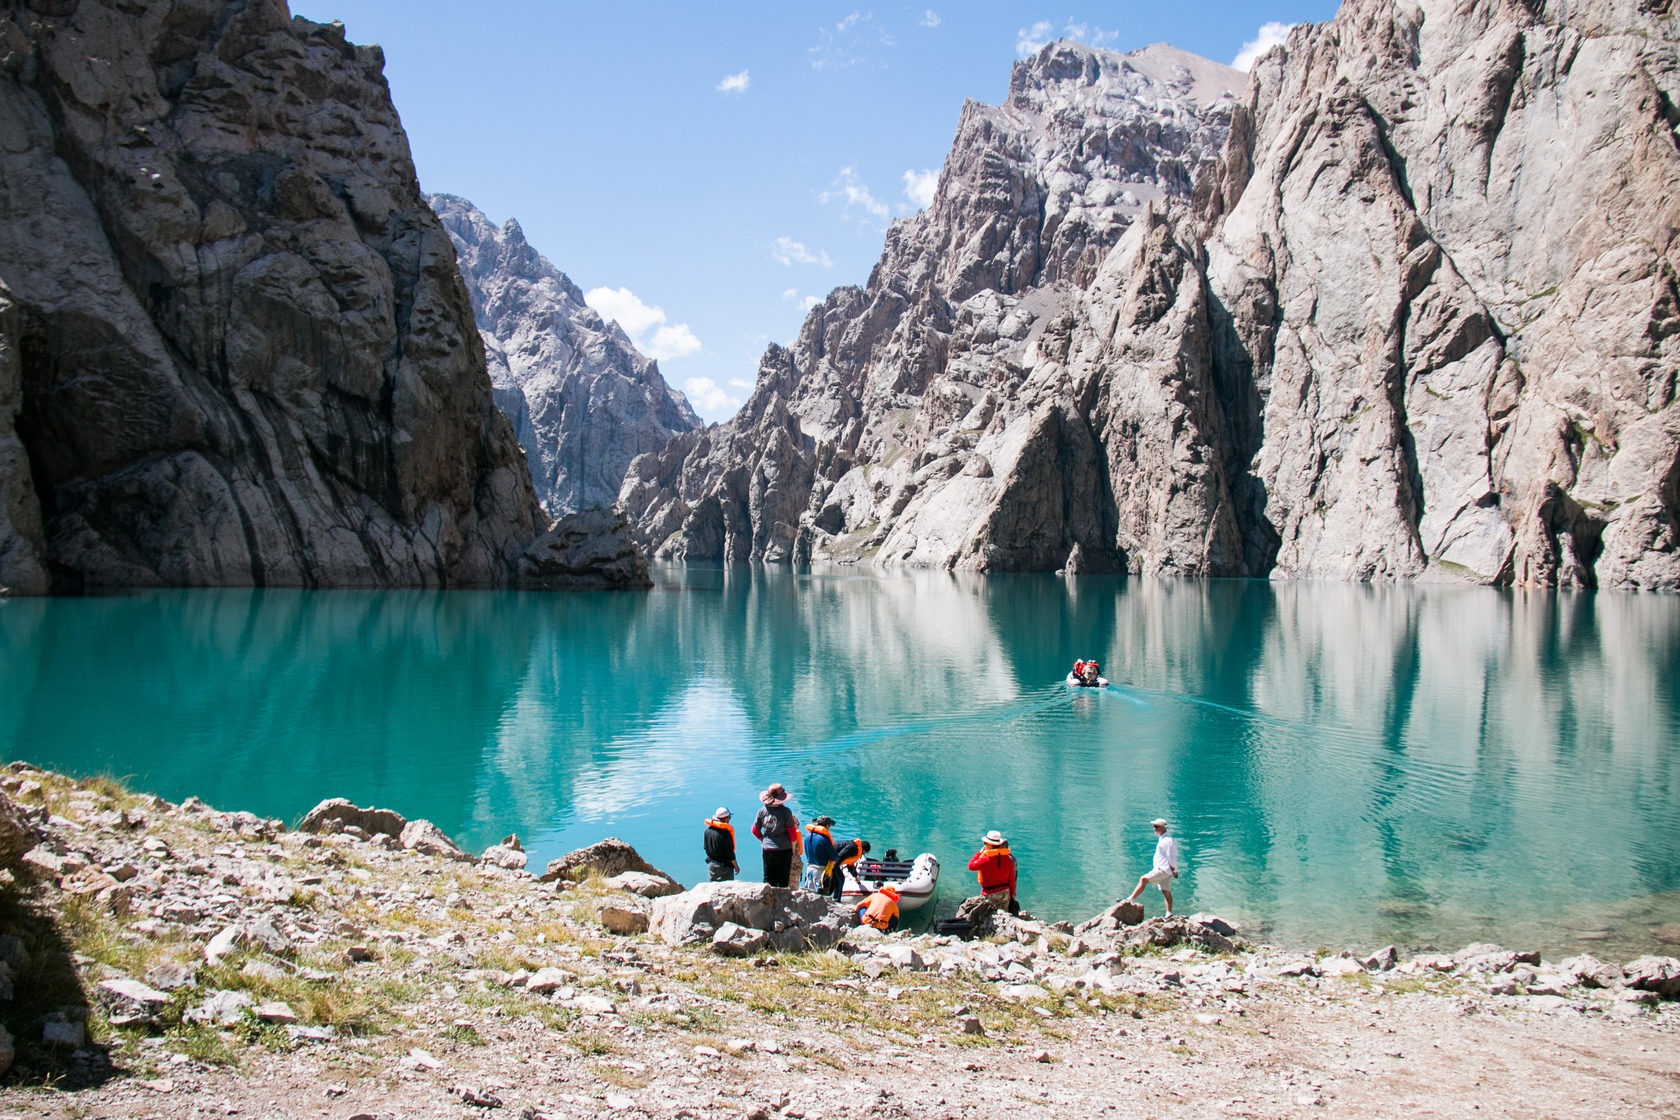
<point>1157,823</point>
<point>994,837</point>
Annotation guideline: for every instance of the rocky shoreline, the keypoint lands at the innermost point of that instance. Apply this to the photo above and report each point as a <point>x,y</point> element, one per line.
<point>174,960</point>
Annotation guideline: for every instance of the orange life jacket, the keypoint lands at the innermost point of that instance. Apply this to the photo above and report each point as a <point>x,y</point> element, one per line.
<point>725,825</point>
<point>822,829</point>
<point>995,868</point>
<point>855,856</point>
<point>880,910</point>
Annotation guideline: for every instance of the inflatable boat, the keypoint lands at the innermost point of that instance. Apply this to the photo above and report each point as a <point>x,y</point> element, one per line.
<point>1075,682</point>
<point>916,879</point>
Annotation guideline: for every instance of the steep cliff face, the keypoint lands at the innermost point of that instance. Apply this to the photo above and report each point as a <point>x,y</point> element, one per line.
<point>582,399</point>
<point>929,417</point>
<point>1444,252</point>
<point>1420,322</point>
<point>240,348</point>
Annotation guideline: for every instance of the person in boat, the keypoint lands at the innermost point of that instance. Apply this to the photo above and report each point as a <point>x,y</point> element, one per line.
<point>846,855</point>
<point>819,855</point>
<point>719,844</point>
<point>1166,866</point>
<point>1090,674</point>
<point>995,865</point>
<point>777,833</point>
<point>880,909</point>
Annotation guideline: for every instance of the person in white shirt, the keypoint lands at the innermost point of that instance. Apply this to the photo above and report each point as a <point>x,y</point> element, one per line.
<point>1166,866</point>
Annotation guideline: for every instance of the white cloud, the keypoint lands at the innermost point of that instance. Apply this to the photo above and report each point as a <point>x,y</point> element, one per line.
<point>930,19</point>
<point>710,399</point>
<point>787,251</point>
<point>1270,35</point>
<point>849,190</point>
<point>1031,40</point>
<point>919,187</point>
<point>790,294</point>
<point>809,302</point>
<point>856,40</point>
<point>645,325</point>
<point>735,83</point>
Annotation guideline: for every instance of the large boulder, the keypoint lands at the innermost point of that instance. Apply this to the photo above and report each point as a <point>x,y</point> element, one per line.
<point>428,838</point>
<point>641,883</point>
<point>1660,975</point>
<point>1110,920</point>
<point>603,859</point>
<point>336,814</point>
<point>791,919</point>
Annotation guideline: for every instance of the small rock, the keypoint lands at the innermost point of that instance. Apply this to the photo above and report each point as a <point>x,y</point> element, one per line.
<point>171,976</point>
<point>129,1002</point>
<point>731,940</point>
<point>1382,960</point>
<point>1042,1056</point>
<point>970,1024</point>
<point>500,855</point>
<point>421,1059</point>
<point>221,1009</point>
<point>263,971</point>
<point>222,945</point>
<point>643,884</point>
<point>358,954</point>
<point>60,1031</point>
<point>276,1011</point>
<point>547,980</point>
<point>479,1098</point>
<point>624,920</point>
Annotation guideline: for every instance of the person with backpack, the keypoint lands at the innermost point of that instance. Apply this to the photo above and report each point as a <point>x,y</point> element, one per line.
<point>819,855</point>
<point>776,832</point>
<point>719,844</point>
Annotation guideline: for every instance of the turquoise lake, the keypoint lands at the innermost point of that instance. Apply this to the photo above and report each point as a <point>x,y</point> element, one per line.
<point>1344,765</point>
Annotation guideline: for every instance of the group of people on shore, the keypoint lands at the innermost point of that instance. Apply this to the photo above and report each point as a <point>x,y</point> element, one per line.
<point>781,844</point>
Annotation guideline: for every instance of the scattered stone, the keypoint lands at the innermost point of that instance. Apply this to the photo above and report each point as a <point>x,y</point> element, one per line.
<point>478,1098</point>
<point>624,920</point>
<point>1590,972</point>
<point>129,1002</point>
<point>221,1008</point>
<point>424,836</point>
<point>1042,1056</point>
<point>336,814</point>
<point>970,1024</point>
<point>222,945</point>
<point>548,980</point>
<point>60,1030</point>
<point>500,855</point>
<point>1658,975</point>
<point>421,1059</point>
<point>643,884</point>
<point>1382,960</point>
<point>1339,966</point>
<point>603,859</point>
<point>732,940</point>
<point>263,971</point>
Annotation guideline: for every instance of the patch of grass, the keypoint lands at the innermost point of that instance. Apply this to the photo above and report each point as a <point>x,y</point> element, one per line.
<point>270,1036</point>
<point>619,1076</point>
<point>463,1034</point>
<point>202,1043</point>
<point>591,1043</point>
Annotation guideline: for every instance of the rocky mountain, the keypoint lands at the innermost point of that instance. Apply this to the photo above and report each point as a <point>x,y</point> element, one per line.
<point>1418,322</point>
<point>583,401</point>
<point>234,346</point>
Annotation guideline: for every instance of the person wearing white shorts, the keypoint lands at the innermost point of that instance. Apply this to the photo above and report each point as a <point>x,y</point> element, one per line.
<point>1166,866</point>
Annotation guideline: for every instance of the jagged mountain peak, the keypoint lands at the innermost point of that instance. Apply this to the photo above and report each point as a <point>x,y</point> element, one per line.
<point>583,400</point>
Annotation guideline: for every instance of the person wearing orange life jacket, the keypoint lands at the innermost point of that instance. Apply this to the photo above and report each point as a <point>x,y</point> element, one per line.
<point>880,909</point>
<point>995,866</point>
<point>846,855</point>
<point>819,855</point>
<point>720,847</point>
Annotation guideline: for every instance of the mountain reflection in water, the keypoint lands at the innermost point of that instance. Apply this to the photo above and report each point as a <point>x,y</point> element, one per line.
<point>1342,764</point>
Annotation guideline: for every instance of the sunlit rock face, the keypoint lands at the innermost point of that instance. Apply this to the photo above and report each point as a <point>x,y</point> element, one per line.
<point>583,401</point>
<point>1417,321</point>
<point>234,346</point>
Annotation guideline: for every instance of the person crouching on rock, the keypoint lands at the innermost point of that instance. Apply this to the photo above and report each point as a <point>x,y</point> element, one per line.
<point>880,910</point>
<point>720,847</point>
<point>776,832</point>
<point>996,867</point>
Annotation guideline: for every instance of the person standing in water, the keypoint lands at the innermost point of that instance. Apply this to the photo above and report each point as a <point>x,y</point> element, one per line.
<point>1165,869</point>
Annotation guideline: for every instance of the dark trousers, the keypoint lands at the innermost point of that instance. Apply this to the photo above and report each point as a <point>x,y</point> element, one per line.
<point>720,872</point>
<point>778,866</point>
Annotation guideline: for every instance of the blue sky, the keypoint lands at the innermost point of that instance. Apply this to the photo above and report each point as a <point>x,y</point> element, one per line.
<point>705,170</point>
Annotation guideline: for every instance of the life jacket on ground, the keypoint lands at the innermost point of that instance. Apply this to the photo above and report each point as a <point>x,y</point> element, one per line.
<point>996,869</point>
<point>881,908</point>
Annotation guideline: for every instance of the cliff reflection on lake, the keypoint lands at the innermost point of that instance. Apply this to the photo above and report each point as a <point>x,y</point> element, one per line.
<point>1342,764</point>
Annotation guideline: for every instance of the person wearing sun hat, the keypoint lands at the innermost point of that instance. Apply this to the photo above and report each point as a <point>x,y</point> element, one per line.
<point>1165,869</point>
<point>720,847</point>
<point>995,865</point>
<point>777,832</point>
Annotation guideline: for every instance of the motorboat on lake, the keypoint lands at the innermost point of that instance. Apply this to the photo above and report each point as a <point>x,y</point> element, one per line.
<point>916,879</point>
<point>1084,675</point>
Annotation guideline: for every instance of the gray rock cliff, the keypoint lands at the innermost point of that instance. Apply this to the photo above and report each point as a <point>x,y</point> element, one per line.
<point>234,346</point>
<point>583,401</point>
<point>1418,321</point>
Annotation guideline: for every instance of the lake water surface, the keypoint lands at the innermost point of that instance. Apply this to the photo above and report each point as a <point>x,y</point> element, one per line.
<point>1343,764</point>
